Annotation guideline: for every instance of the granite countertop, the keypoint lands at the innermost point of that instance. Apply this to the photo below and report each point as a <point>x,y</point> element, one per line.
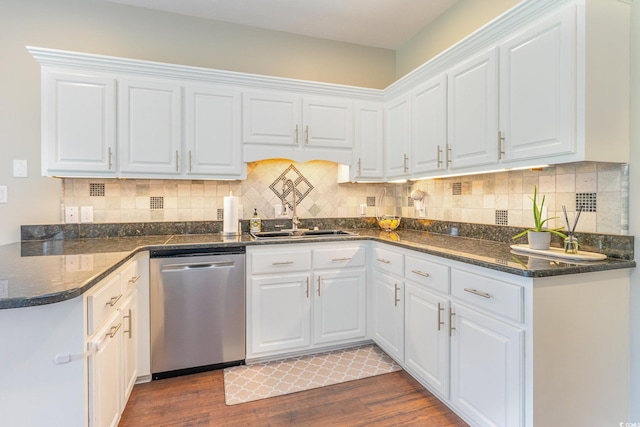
<point>48,271</point>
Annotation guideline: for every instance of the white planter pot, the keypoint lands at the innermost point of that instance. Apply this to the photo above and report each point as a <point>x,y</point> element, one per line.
<point>539,239</point>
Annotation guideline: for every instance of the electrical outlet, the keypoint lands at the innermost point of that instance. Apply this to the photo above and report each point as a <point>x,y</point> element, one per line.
<point>4,198</point>
<point>280,211</point>
<point>86,214</point>
<point>20,169</point>
<point>71,215</point>
<point>363,209</point>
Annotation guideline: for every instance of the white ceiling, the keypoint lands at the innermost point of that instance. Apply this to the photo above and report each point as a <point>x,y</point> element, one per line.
<point>376,23</point>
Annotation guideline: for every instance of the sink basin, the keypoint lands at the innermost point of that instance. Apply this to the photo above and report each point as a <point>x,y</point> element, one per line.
<point>295,234</point>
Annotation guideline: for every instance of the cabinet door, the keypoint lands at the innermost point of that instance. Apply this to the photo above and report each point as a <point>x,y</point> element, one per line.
<point>339,305</point>
<point>78,123</point>
<point>398,138</point>
<point>213,142</point>
<point>130,328</point>
<point>429,126</point>
<point>426,336</point>
<point>271,119</point>
<point>538,89</point>
<point>105,381</point>
<point>388,314</point>
<point>369,141</point>
<point>327,123</point>
<point>487,369</point>
<point>473,112</point>
<point>149,126</point>
<point>279,313</point>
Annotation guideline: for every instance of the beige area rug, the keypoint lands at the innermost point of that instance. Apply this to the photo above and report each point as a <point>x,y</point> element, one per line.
<point>261,380</point>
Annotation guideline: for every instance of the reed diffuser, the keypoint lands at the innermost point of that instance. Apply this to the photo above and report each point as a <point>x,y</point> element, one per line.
<point>571,241</point>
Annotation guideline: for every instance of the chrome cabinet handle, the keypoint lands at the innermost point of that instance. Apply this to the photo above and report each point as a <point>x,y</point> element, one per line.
<point>114,300</point>
<point>386,261</point>
<point>406,163</point>
<point>477,292</point>
<point>500,145</point>
<point>449,155</point>
<point>307,287</point>
<point>297,138</point>
<point>130,319</point>
<point>190,160</point>
<point>440,310</point>
<point>319,285</point>
<point>420,273</point>
<point>177,164</point>
<point>395,296</point>
<point>452,322</point>
<point>439,161</point>
<point>359,166</point>
<point>110,158</point>
<point>113,331</point>
<point>341,259</point>
<point>282,262</point>
<point>306,135</point>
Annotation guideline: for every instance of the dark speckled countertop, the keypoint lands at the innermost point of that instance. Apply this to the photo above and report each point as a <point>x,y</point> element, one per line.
<point>41,272</point>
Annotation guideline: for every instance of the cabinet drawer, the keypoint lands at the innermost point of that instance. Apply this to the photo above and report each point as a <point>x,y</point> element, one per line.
<point>488,294</point>
<point>104,301</point>
<point>129,277</point>
<point>339,257</point>
<point>427,273</point>
<point>280,261</point>
<point>389,261</point>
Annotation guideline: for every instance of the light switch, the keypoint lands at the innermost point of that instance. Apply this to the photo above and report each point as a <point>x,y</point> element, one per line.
<point>20,169</point>
<point>4,198</point>
<point>86,214</point>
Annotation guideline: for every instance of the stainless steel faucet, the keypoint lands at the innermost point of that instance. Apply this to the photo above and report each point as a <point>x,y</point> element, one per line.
<point>294,219</point>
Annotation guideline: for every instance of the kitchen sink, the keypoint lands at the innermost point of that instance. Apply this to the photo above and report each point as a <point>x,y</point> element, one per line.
<point>296,234</point>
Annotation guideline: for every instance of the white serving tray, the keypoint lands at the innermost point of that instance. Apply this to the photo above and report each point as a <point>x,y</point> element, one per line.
<point>560,253</point>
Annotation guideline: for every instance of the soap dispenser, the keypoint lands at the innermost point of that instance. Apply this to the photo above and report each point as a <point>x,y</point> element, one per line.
<point>255,225</point>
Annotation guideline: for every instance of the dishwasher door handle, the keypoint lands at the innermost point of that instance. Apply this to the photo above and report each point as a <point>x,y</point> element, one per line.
<point>197,266</point>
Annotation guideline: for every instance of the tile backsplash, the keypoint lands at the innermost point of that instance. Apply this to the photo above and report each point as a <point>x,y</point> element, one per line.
<point>500,198</point>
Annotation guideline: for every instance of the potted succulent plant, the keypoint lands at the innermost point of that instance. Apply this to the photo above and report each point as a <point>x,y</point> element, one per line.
<point>539,237</point>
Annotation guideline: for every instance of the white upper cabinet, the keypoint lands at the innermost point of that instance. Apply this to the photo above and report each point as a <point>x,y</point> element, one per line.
<point>429,126</point>
<point>369,142</point>
<point>473,112</point>
<point>398,138</point>
<point>213,132</point>
<point>150,126</point>
<point>279,124</point>
<point>538,90</point>
<point>78,123</point>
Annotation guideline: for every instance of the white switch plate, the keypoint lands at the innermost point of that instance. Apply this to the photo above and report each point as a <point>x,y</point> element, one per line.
<point>71,215</point>
<point>4,288</point>
<point>4,197</point>
<point>20,169</point>
<point>86,214</point>
<point>363,209</point>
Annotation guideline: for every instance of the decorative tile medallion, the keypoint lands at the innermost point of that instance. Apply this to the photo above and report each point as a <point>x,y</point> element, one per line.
<point>588,201</point>
<point>284,190</point>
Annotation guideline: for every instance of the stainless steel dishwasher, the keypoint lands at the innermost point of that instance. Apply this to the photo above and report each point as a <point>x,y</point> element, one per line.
<point>197,309</point>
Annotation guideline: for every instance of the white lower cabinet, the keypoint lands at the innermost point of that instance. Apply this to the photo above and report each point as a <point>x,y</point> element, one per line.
<point>426,336</point>
<point>388,309</point>
<point>302,297</point>
<point>486,368</point>
<point>112,321</point>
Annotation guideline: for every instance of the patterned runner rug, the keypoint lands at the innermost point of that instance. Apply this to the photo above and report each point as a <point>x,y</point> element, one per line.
<point>261,380</point>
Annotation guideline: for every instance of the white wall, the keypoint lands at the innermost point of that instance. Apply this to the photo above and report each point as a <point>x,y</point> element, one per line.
<point>111,29</point>
<point>634,212</point>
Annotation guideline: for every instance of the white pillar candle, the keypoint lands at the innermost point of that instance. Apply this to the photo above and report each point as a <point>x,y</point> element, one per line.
<point>230,223</point>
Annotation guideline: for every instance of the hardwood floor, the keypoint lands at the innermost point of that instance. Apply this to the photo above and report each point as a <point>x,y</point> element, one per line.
<point>393,399</point>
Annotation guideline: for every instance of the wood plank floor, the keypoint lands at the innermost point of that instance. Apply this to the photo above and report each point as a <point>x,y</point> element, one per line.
<point>393,399</point>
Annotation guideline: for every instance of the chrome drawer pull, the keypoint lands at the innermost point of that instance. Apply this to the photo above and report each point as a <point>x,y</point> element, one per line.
<point>282,263</point>
<point>114,300</point>
<point>130,319</point>
<point>319,286</point>
<point>397,300</point>
<point>386,261</point>
<point>420,273</point>
<point>341,259</point>
<point>440,310</point>
<point>112,333</point>
<point>452,322</point>
<point>476,292</point>
<point>134,279</point>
